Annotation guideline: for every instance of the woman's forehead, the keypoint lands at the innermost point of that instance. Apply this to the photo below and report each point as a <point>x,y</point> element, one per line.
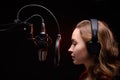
<point>76,34</point>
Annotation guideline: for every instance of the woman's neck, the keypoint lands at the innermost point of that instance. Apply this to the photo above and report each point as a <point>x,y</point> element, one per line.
<point>88,64</point>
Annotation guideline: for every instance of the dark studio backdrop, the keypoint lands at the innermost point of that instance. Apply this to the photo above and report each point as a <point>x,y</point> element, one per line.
<point>19,58</point>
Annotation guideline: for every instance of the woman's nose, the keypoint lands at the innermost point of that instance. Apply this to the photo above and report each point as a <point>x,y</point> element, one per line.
<point>70,50</point>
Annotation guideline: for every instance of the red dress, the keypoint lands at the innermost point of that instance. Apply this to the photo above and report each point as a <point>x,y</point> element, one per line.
<point>85,73</point>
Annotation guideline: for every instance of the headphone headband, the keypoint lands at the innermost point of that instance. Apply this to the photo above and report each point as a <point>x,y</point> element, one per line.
<point>94,29</point>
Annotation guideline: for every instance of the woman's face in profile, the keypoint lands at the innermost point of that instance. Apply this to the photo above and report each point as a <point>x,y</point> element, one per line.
<point>78,48</point>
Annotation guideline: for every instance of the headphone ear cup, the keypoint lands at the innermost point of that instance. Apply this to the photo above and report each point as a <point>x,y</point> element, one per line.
<point>93,48</point>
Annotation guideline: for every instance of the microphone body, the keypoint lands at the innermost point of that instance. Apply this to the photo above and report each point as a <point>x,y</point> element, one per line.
<point>42,46</point>
<point>41,41</point>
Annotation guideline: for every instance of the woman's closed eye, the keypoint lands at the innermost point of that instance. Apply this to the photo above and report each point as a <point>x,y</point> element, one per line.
<point>74,43</point>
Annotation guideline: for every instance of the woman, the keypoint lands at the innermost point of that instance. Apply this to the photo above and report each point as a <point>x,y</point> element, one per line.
<point>101,66</point>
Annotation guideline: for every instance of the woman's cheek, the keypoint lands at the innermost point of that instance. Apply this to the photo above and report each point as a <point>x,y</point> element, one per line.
<point>80,54</point>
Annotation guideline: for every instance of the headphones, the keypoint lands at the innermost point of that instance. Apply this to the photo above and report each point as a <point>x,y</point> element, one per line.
<point>93,46</point>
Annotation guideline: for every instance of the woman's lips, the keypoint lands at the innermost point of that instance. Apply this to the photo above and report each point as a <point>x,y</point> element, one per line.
<point>73,57</point>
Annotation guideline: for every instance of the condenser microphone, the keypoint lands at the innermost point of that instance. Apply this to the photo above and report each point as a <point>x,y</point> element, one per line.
<point>41,41</point>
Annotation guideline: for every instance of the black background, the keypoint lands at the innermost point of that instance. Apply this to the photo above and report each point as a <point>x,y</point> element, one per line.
<point>19,58</point>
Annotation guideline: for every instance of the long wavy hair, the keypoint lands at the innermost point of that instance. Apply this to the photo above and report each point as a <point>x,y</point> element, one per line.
<point>106,64</point>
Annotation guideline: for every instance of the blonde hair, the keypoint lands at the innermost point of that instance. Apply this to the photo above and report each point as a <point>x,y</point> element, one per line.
<point>107,65</point>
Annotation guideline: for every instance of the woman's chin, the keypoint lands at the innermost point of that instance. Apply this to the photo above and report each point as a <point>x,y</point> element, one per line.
<point>76,62</point>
